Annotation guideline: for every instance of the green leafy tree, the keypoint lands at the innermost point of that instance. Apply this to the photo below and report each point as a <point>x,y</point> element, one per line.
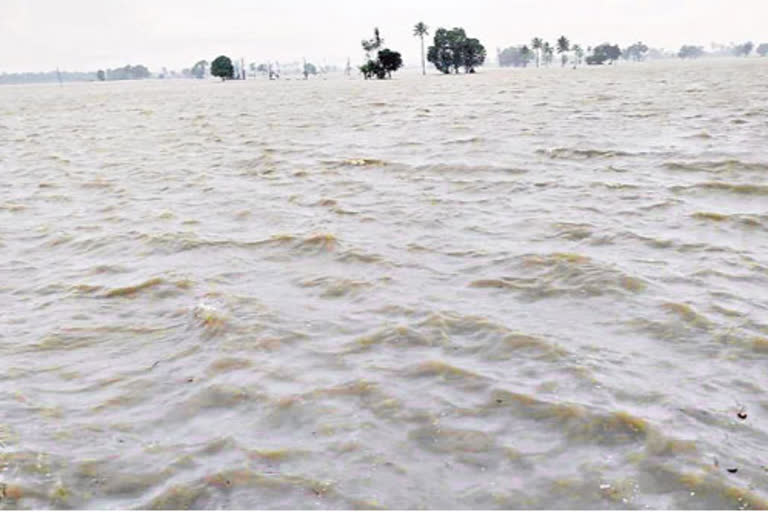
<point>744,49</point>
<point>387,61</point>
<point>222,67</point>
<point>420,30</point>
<point>604,53</point>
<point>390,61</point>
<point>636,52</point>
<point>309,69</point>
<point>563,47</point>
<point>690,52</point>
<point>762,50</point>
<point>452,50</point>
<point>128,72</point>
<point>537,43</point>
<point>373,69</point>
<point>515,56</point>
<point>198,70</point>
<point>100,75</point>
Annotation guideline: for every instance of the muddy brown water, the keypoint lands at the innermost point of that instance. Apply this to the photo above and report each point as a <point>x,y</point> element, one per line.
<point>518,289</point>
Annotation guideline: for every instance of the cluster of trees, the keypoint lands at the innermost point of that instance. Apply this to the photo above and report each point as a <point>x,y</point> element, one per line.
<point>738,50</point>
<point>125,73</point>
<point>603,53</point>
<point>690,52</point>
<point>515,56</point>
<point>542,52</point>
<point>386,62</point>
<point>637,52</point>
<point>45,77</point>
<point>452,50</point>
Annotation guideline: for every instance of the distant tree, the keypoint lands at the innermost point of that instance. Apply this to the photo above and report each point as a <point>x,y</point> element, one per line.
<point>390,61</point>
<point>420,30</point>
<point>222,67</point>
<point>452,50</point>
<point>578,54</point>
<point>743,49</point>
<point>604,53</point>
<point>537,43</point>
<point>100,75</point>
<point>309,69</point>
<point>128,73</point>
<point>198,70</point>
<point>762,50</point>
<point>549,52</point>
<point>373,69</point>
<point>690,52</point>
<point>515,56</point>
<point>387,61</point>
<point>563,47</point>
<point>636,52</point>
<point>373,44</point>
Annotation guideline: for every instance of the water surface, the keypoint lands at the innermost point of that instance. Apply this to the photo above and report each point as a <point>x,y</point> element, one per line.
<point>518,289</point>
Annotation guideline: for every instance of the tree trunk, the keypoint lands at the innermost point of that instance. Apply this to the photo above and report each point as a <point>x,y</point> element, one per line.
<point>423,63</point>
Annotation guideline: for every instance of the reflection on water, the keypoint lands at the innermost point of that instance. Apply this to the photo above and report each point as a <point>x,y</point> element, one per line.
<point>540,288</point>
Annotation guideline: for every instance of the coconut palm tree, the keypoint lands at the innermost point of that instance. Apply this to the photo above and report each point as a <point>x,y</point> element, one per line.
<point>578,53</point>
<point>563,47</point>
<point>548,52</point>
<point>420,30</point>
<point>525,53</point>
<point>536,44</point>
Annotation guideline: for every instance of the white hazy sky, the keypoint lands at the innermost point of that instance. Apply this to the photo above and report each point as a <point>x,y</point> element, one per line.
<point>90,34</point>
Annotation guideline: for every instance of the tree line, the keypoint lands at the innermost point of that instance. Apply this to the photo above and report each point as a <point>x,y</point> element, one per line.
<point>452,51</point>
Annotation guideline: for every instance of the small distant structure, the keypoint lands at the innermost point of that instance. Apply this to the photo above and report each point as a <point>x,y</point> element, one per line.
<point>348,69</point>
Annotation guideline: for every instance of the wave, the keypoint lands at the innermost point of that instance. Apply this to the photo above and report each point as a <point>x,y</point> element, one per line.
<point>717,166</point>
<point>581,154</point>
<point>737,188</point>
<point>546,275</point>
<point>164,286</point>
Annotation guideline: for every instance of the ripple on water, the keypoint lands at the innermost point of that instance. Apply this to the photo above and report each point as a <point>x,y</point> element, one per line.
<point>540,276</point>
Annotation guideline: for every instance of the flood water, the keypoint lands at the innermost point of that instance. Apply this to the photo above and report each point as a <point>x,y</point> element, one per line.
<point>518,289</point>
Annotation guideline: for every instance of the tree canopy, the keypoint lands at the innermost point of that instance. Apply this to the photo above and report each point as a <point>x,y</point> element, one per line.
<point>387,61</point>
<point>452,50</point>
<point>744,49</point>
<point>198,70</point>
<point>128,73</point>
<point>604,53</point>
<point>222,67</point>
<point>637,51</point>
<point>762,50</point>
<point>515,56</point>
<point>690,52</point>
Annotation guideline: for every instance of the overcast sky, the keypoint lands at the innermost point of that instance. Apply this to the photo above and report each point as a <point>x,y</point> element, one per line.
<point>91,34</point>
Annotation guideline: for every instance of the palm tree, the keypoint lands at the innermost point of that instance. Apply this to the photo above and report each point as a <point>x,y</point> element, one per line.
<point>548,52</point>
<point>578,53</point>
<point>563,46</point>
<point>536,44</point>
<point>525,52</point>
<point>420,30</point>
